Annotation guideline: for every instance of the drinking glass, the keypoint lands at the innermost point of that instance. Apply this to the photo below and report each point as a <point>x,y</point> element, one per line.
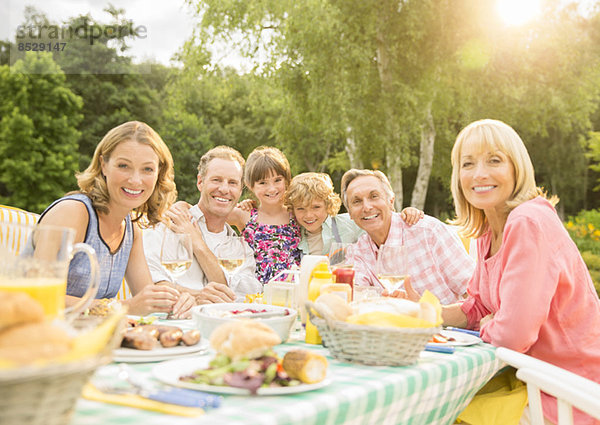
<point>340,255</point>
<point>231,254</point>
<point>176,252</point>
<point>391,267</point>
<point>34,259</point>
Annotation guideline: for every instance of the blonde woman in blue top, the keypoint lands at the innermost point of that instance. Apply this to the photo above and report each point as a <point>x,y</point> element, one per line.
<point>130,175</point>
<point>315,205</point>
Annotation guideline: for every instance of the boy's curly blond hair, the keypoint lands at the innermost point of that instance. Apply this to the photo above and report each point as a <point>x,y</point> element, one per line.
<point>308,187</point>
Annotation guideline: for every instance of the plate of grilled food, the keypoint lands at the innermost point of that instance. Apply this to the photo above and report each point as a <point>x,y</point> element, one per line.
<point>149,343</point>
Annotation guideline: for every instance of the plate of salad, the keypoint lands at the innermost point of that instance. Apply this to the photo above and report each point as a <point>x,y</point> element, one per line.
<point>263,376</point>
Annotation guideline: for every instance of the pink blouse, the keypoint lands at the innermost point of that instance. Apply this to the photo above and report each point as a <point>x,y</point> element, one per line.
<point>541,294</point>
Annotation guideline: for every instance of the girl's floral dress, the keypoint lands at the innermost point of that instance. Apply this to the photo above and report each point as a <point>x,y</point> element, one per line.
<point>275,246</point>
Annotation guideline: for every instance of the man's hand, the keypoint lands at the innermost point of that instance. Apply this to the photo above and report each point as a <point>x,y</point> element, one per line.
<point>411,215</point>
<point>214,293</point>
<point>407,293</point>
<point>183,307</point>
<point>246,205</point>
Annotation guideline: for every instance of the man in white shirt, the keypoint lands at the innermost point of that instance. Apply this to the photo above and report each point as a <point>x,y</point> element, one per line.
<point>220,182</point>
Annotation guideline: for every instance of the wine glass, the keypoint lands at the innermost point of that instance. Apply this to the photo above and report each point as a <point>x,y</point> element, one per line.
<point>231,254</point>
<point>391,267</point>
<point>176,252</point>
<point>339,255</point>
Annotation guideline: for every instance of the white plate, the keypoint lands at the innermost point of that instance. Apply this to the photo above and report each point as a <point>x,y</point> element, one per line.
<point>461,338</point>
<point>170,371</point>
<point>161,318</point>
<point>131,355</point>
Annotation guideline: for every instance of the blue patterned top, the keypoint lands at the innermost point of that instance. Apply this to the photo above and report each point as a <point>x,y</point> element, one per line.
<point>112,265</point>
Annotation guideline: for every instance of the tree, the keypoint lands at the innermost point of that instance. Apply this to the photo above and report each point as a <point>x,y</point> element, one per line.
<point>360,80</point>
<point>389,84</point>
<point>111,87</point>
<point>548,99</point>
<point>38,133</point>
<point>209,107</point>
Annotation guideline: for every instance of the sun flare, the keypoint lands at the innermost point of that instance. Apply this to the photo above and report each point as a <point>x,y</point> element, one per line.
<point>518,12</point>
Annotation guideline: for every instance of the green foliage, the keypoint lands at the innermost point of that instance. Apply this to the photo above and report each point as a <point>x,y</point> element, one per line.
<point>592,262</point>
<point>111,87</point>
<point>38,135</point>
<point>205,109</point>
<point>584,229</point>
<point>593,145</point>
<point>357,79</point>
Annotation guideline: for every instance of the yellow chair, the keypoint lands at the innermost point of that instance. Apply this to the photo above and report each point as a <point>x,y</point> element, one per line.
<point>10,215</point>
<point>16,215</point>
<point>469,244</point>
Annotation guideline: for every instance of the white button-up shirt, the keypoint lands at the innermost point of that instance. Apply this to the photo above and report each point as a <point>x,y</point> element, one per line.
<point>242,282</point>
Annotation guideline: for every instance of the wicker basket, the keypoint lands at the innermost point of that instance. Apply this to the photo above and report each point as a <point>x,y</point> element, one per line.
<point>46,395</point>
<point>370,345</point>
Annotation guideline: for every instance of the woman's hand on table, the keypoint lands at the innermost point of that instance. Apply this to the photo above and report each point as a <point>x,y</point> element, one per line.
<point>486,319</point>
<point>153,298</point>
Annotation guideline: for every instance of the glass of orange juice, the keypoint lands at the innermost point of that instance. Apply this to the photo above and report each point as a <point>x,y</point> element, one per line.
<point>35,259</point>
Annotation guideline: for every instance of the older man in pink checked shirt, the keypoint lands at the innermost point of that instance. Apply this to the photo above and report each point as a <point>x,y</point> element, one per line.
<point>436,258</point>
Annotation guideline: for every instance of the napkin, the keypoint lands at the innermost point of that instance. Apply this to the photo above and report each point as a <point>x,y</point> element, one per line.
<point>92,393</point>
<point>384,318</point>
<point>500,402</point>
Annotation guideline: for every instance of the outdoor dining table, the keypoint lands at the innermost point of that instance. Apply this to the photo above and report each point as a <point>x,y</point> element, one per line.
<point>432,391</point>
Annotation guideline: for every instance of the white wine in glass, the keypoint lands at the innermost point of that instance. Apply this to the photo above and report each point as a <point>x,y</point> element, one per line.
<point>231,254</point>
<point>230,265</point>
<point>391,268</point>
<point>176,252</point>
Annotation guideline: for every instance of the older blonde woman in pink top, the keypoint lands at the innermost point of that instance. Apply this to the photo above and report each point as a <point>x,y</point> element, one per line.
<point>531,291</point>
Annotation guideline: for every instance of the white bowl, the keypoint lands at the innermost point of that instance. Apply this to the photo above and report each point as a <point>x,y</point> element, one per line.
<point>207,317</point>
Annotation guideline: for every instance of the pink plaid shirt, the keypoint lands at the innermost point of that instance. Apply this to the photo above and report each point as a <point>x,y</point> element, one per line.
<point>436,258</point>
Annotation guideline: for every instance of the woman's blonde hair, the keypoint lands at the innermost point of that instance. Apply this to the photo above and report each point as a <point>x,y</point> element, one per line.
<point>353,173</point>
<point>308,187</point>
<point>92,182</point>
<point>263,161</point>
<point>496,136</point>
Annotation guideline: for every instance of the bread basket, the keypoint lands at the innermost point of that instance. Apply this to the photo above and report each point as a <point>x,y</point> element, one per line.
<point>46,395</point>
<point>370,345</point>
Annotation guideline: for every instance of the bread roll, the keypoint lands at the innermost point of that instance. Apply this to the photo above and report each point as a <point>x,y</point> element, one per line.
<point>334,306</point>
<point>243,338</point>
<point>388,305</point>
<point>33,341</point>
<point>17,308</point>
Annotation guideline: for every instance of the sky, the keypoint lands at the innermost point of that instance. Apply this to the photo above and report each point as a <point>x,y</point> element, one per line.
<point>169,23</point>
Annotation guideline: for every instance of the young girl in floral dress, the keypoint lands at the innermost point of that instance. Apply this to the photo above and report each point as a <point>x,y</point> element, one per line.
<point>269,229</point>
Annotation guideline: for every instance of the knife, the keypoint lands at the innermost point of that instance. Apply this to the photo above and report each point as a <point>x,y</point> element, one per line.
<point>465,331</point>
<point>184,397</point>
<point>435,348</point>
<point>178,396</point>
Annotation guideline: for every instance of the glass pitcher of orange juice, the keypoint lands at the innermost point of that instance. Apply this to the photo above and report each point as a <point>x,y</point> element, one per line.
<point>35,259</point>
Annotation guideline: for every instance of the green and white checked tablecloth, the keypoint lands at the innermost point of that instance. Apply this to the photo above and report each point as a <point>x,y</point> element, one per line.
<point>434,391</point>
